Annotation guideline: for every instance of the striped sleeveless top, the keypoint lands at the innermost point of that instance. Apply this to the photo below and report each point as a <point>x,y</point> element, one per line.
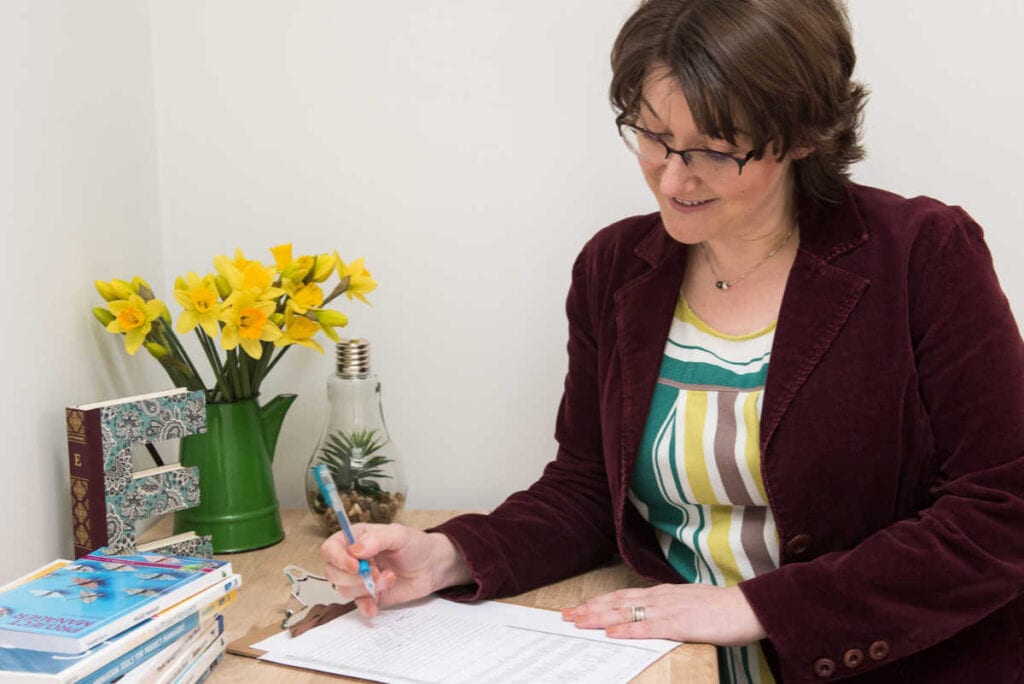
<point>697,478</point>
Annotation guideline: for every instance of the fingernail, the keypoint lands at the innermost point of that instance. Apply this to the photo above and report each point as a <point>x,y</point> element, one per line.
<point>356,549</point>
<point>568,614</point>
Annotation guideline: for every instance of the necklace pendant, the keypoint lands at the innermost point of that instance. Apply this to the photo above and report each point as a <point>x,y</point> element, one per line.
<point>721,285</point>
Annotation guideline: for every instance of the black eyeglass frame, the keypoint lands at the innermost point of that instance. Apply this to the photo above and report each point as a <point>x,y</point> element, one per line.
<point>740,161</point>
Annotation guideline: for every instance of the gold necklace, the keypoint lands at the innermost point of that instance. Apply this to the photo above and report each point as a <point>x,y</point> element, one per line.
<point>726,284</point>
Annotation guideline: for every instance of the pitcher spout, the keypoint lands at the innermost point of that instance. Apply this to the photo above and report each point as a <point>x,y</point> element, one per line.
<point>271,417</point>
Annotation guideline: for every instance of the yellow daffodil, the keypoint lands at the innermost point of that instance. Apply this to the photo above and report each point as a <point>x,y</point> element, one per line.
<point>323,268</point>
<point>240,262</point>
<point>329,320</point>
<point>200,303</point>
<point>260,307</point>
<point>134,318</point>
<point>247,323</point>
<point>298,270</point>
<point>358,281</point>
<point>299,330</point>
<point>243,275</point>
<point>302,298</point>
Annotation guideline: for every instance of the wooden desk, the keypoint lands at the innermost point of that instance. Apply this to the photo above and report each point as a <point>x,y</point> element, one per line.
<point>264,596</point>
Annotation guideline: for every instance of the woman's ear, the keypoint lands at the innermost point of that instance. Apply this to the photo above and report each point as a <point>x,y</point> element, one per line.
<point>800,152</point>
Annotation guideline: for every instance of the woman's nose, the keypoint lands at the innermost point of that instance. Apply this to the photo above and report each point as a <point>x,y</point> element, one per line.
<point>677,177</point>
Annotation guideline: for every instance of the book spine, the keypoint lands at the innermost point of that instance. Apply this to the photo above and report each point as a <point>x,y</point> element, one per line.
<point>138,655</point>
<point>88,495</point>
<point>158,633</point>
<point>190,651</point>
<point>200,668</point>
<point>161,630</point>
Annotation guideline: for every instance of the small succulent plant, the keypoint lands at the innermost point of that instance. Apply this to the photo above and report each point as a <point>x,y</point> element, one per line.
<point>353,460</point>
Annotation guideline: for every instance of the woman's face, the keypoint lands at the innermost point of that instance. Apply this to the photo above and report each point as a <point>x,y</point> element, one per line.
<point>753,204</point>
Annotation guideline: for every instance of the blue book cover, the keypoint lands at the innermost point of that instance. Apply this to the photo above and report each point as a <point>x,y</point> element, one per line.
<point>84,603</point>
<point>111,659</point>
<point>167,666</point>
<point>151,651</point>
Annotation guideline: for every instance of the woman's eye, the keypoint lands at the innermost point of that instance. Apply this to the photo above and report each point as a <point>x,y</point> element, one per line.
<point>718,156</point>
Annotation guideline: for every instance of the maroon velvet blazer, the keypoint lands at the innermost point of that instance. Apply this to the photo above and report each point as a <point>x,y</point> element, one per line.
<point>892,440</point>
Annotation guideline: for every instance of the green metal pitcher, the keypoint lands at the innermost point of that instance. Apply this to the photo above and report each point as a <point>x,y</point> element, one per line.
<point>238,503</point>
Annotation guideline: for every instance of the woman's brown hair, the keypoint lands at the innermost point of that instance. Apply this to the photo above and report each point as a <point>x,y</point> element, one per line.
<point>779,70</point>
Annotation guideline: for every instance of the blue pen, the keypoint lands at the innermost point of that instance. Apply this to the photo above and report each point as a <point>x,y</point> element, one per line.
<point>331,496</point>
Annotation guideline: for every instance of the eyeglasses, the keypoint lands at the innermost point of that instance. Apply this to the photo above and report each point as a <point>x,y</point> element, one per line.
<point>707,164</point>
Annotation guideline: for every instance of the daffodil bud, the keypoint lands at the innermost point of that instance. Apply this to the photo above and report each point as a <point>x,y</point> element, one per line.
<point>323,266</point>
<point>102,315</point>
<point>105,290</point>
<point>122,289</point>
<point>328,318</point>
<point>157,351</point>
<point>223,287</point>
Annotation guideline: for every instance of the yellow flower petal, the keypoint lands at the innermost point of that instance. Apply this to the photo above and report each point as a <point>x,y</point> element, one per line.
<point>253,348</point>
<point>134,338</point>
<point>359,283</point>
<point>282,255</point>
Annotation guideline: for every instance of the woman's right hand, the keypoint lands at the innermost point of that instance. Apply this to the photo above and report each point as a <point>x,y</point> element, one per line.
<point>407,564</point>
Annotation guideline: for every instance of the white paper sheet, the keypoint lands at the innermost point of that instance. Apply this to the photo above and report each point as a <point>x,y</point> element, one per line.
<point>440,641</point>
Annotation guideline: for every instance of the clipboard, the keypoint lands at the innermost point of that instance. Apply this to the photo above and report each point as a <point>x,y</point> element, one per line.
<point>315,594</point>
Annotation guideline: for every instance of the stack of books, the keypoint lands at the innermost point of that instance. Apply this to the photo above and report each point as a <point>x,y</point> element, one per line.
<point>131,618</point>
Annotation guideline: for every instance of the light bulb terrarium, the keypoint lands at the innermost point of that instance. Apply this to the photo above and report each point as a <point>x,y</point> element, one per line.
<point>356,447</point>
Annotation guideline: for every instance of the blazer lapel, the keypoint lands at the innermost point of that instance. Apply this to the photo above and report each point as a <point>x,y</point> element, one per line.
<point>644,308</point>
<point>819,298</point>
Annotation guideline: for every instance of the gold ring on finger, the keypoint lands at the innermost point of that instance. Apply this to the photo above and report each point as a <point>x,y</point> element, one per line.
<point>636,613</point>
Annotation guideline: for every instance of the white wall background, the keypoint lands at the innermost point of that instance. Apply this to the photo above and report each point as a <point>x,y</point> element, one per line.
<point>464,147</point>
<point>77,202</point>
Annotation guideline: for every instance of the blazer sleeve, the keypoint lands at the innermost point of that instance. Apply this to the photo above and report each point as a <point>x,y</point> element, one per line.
<point>919,581</point>
<point>562,525</point>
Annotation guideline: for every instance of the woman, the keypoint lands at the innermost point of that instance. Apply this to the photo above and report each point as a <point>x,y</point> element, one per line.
<point>795,401</point>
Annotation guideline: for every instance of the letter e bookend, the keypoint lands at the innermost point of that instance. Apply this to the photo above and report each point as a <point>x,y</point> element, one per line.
<point>108,497</point>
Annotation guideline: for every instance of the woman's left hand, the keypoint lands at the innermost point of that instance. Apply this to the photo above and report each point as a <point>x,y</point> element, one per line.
<point>681,612</point>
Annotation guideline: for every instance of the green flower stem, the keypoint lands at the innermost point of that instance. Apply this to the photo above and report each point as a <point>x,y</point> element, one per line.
<point>218,369</point>
<point>181,375</point>
<point>181,354</point>
<point>236,375</point>
<point>244,373</point>
<point>256,366</point>
<point>242,370</point>
<point>231,372</point>
<point>176,377</point>
<point>263,367</point>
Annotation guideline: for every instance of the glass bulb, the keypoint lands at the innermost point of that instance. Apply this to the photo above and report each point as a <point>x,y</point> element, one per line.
<point>355,445</point>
